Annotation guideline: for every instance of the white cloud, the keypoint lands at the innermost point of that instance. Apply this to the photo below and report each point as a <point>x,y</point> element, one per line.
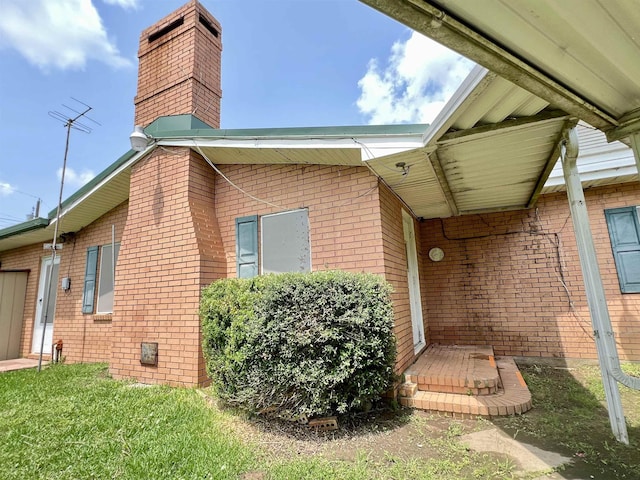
<point>6,189</point>
<point>75,179</point>
<point>123,3</point>
<point>419,78</point>
<point>60,34</point>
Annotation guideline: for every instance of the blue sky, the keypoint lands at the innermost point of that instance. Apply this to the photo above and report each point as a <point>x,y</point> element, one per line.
<point>284,63</point>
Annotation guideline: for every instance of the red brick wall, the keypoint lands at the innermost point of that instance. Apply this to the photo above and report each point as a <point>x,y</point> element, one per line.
<point>513,280</point>
<point>87,338</point>
<point>343,208</point>
<point>395,266</point>
<point>170,249</point>
<point>179,73</point>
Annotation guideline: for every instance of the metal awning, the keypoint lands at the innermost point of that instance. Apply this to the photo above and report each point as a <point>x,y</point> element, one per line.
<point>548,47</point>
<point>490,149</point>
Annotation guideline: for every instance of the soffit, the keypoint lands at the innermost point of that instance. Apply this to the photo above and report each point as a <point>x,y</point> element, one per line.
<point>85,209</point>
<point>264,156</point>
<point>490,149</point>
<point>499,169</point>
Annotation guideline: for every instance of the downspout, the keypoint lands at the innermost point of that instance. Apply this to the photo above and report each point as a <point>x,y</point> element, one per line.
<point>603,331</point>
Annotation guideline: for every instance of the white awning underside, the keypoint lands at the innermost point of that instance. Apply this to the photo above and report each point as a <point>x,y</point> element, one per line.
<point>581,55</point>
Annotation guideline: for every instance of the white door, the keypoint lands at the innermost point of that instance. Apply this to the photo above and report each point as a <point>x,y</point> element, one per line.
<point>46,299</point>
<point>413,275</point>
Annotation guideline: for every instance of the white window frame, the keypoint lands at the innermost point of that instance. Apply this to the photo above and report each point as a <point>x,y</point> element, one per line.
<point>100,307</point>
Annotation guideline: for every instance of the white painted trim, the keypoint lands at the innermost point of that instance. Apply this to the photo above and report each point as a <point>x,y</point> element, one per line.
<point>415,297</point>
<point>473,85</point>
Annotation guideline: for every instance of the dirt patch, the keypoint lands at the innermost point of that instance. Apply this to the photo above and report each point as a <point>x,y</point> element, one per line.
<point>402,435</point>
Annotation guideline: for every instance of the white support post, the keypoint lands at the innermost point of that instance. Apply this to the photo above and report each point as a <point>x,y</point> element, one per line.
<point>635,146</point>
<point>603,332</point>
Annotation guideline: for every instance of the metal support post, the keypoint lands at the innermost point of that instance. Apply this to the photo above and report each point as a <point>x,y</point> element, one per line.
<point>603,332</point>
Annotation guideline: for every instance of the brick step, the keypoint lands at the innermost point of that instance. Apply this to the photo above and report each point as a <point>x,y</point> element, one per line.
<point>513,398</point>
<point>462,390</point>
<point>461,369</point>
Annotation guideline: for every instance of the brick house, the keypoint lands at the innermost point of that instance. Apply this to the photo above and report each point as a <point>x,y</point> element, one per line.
<point>463,217</point>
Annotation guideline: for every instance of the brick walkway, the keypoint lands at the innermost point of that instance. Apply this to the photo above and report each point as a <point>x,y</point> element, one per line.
<point>465,381</point>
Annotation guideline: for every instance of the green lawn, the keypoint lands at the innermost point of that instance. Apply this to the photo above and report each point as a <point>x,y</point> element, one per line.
<point>74,422</point>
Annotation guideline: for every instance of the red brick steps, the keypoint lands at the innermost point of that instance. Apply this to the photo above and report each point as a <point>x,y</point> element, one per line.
<point>465,380</point>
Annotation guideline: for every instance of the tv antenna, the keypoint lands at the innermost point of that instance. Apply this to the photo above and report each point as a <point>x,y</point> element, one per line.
<point>70,122</point>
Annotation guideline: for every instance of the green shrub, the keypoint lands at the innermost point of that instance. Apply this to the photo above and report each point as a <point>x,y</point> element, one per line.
<point>307,344</point>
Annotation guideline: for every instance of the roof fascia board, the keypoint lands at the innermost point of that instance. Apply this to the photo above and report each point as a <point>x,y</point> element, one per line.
<point>430,20</point>
<point>24,227</point>
<point>476,133</point>
<point>629,123</point>
<point>474,84</point>
<point>406,142</point>
<point>400,130</point>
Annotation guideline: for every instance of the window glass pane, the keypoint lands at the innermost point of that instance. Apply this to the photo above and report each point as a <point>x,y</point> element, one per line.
<point>285,242</point>
<point>105,282</point>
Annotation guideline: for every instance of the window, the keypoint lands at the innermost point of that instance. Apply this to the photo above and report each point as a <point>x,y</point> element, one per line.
<point>624,231</point>
<point>284,243</point>
<point>105,279</point>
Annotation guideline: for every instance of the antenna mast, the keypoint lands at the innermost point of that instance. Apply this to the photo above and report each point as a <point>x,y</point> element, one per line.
<point>69,123</point>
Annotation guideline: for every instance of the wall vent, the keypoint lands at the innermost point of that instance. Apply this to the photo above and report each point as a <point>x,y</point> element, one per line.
<point>208,26</point>
<point>163,31</point>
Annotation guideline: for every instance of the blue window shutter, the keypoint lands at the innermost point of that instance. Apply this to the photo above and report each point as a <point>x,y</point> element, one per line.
<point>624,231</point>
<point>90,280</point>
<point>247,246</point>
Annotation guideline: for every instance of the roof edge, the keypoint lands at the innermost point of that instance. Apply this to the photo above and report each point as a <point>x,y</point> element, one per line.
<point>93,182</point>
<point>185,126</point>
<point>24,227</point>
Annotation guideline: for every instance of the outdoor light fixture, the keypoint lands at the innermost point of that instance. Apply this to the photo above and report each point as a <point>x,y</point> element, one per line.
<point>404,168</point>
<point>139,139</point>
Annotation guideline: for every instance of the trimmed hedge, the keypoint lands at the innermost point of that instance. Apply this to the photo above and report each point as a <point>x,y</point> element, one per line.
<point>306,344</point>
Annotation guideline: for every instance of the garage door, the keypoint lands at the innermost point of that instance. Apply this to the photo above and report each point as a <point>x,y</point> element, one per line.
<point>13,287</point>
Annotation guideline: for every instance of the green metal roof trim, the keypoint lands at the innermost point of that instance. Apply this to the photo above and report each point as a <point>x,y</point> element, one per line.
<point>95,181</point>
<point>189,126</point>
<point>175,122</point>
<point>24,227</point>
<point>181,126</point>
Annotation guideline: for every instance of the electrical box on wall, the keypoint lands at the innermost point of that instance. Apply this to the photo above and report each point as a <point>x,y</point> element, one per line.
<point>66,284</point>
<point>149,353</point>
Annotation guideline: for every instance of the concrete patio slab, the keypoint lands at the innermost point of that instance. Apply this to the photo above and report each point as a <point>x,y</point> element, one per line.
<point>18,364</point>
<point>529,458</point>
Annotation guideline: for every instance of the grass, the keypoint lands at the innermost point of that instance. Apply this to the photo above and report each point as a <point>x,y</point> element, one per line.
<point>569,414</point>
<point>74,422</point>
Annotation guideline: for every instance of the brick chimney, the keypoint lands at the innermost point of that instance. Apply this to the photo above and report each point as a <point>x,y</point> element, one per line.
<point>171,245</point>
<point>179,67</point>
